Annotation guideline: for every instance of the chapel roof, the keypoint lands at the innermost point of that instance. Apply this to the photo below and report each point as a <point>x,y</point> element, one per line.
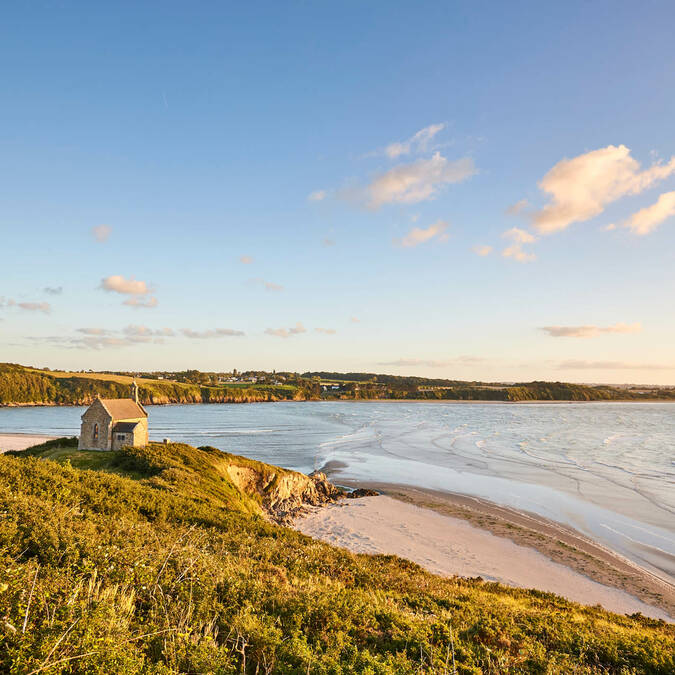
<point>125,427</point>
<point>123,408</point>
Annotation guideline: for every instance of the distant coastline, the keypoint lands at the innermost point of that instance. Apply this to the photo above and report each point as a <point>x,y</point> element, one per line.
<point>359,400</point>
<point>27,386</point>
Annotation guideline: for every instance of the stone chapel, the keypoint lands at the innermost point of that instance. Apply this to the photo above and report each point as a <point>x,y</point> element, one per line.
<point>110,423</point>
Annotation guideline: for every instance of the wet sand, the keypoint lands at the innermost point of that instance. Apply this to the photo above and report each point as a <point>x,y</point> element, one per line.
<point>21,441</point>
<point>456,535</point>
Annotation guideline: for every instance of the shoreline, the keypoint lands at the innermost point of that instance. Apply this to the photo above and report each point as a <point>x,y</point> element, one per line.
<point>21,440</point>
<point>449,546</point>
<point>565,559</point>
<point>363,400</point>
<point>560,545</point>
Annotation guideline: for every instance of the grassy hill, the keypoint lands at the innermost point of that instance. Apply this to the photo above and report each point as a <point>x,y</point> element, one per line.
<point>29,386</point>
<point>164,560</point>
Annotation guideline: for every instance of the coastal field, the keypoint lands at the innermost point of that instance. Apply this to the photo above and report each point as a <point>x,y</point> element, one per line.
<point>509,470</point>
<point>164,559</point>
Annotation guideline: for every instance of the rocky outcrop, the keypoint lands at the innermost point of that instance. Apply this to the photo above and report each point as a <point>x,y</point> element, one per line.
<point>362,492</point>
<point>284,495</point>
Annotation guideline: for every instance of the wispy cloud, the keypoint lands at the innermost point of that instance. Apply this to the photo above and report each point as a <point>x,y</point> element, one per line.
<point>355,319</point>
<point>328,242</point>
<point>96,342</point>
<point>414,182</point>
<point>317,196</point>
<point>101,232</point>
<point>517,208</point>
<point>573,364</point>
<point>245,259</point>
<point>580,188</point>
<point>43,307</point>
<point>94,331</point>
<point>482,250</point>
<point>515,251</point>
<point>98,338</point>
<point>418,142</point>
<point>267,285</point>
<point>419,235</point>
<point>53,290</point>
<point>432,363</point>
<point>144,331</point>
<point>326,331</point>
<point>590,331</point>
<point>210,334</point>
<point>136,302</point>
<point>648,219</point>
<point>118,284</point>
<point>286,332</point>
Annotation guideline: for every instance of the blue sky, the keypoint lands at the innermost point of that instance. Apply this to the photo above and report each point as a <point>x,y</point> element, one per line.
<point>359,157</point>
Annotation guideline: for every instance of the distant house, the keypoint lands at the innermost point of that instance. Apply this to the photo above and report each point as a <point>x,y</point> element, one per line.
<point>110,423</point>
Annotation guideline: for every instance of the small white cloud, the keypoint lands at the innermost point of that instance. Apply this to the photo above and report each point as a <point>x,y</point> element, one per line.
<point>43,307</point>
<point>141,302</point>
<point>418,142</point>
<point>53,290</point>
<point>590,331</point>
<point>416,182</point>
<point>517,208</point>
<point>101,232</point>
<point>245,259</point>
<point>482,251</point>
<point>609,228</point>
<point>420,235</point>
<point>648,219</point>
<point>519,236</point>
<point>209,334</point>
<point>118,284</point>
<point>355,319</point>
<point>317,196</point>
<point>286,332</point>
<point>580,188</point>
<point>328,242</point>
<point>326,331</point>
<point>515,251</point>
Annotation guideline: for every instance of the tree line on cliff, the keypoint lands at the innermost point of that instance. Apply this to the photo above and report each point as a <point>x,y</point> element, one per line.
<point>20,385</point>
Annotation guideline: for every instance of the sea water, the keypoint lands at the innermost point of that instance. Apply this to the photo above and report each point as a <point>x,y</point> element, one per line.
<point>606,469</point>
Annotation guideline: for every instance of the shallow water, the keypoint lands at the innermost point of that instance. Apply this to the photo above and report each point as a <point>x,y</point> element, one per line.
<point>607,469</point>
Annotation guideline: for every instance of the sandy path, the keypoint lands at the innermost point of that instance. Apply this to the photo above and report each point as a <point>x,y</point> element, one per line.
<point>451,546</point>
<point>21,441</point>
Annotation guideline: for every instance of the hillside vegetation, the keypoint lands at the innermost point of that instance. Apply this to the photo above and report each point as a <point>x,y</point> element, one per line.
<point>20,385</point>
<point>164,560</point>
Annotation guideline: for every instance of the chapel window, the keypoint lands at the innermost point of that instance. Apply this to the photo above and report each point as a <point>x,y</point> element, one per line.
<point>95,432</point>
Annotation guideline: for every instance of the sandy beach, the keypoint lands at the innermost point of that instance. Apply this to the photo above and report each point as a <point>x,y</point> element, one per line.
<point>21,441</point>
<point>450,545</point>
